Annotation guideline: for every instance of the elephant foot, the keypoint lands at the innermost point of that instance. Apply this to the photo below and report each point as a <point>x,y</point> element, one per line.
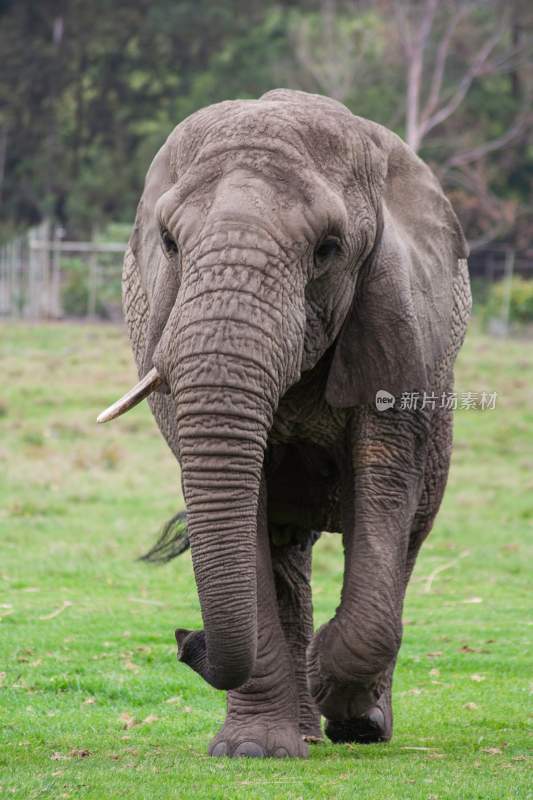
<point>374,726</point>
<point>258,740</point>
<point>343,701</point>
<point>337,694</point>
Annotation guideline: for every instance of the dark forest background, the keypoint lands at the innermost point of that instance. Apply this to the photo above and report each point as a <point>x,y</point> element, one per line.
<point>90,89</point>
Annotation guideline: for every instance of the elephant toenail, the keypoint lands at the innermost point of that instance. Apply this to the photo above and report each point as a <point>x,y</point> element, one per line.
<point>281,752</point>
<point>220,749</point>
<point>250,749</point>
<point>376,716</point>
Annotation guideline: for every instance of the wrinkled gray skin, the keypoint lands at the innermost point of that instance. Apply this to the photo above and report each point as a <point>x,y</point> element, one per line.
<point>288,260</point>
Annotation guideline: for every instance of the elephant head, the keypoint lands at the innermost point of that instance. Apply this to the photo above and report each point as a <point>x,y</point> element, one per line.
<point>272,234</point>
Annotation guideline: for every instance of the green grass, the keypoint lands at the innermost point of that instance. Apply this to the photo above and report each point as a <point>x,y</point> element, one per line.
<point>86,632</point>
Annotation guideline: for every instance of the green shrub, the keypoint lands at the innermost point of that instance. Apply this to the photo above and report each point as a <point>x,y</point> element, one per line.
<point>520,304</point>
<point>480,288</point>
<point>75,289</point>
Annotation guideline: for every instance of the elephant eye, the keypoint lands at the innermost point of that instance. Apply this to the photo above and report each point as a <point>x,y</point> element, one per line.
<point>328,248</point>
<point>169,245</point>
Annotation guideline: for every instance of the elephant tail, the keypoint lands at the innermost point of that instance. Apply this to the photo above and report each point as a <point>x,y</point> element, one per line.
<point>172,542</point>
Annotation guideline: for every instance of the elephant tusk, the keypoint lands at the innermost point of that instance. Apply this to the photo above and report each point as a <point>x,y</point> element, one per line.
<point>146,386</point>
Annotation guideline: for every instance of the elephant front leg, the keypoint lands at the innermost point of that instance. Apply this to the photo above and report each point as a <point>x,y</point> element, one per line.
<point>263,715</point>
<point>375,725</point>
<point>351,659</point>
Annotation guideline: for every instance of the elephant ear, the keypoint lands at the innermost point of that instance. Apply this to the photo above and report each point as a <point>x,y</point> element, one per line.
<point>155,275</point>
<point>142,283</point>
<point>399,325</point>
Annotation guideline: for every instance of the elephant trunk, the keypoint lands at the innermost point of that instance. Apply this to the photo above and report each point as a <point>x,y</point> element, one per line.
<point>226,367</point>
<point>221,476</point>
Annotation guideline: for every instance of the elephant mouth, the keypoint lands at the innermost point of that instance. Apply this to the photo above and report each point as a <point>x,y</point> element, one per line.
<point>150,383</point>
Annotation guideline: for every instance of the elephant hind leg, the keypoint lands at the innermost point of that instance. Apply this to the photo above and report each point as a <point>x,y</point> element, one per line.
<point>292,575</point>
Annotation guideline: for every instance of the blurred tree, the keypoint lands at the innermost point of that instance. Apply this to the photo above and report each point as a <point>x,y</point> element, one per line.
<point>90,89</point>
<point>339,49</point>
<point>454,76</point>
<point>454,53</point>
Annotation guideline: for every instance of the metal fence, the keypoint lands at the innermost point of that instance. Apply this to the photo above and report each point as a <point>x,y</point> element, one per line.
<point>498,296</point>
<point>42,276</point>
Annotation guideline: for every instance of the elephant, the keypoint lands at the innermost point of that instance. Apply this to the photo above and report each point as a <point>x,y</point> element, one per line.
<point>291,264</point>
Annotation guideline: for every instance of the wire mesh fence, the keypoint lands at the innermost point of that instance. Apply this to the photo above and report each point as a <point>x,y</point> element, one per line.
<point>502,289</point>
<point>42,276</point>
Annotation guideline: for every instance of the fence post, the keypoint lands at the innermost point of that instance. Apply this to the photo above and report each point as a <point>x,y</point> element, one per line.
<point>56,310</point>
<point>508,277</point>
<point>12,278</point>
<point>92,282</point>
<point>4,287</point>
<point>27,300</point>
<point>18,270</point>
<point>10,261</point>
<point>42,298</point>
<point>37,272</point>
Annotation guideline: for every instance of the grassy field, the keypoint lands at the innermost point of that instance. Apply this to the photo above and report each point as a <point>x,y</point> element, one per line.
<point>92,701</point>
